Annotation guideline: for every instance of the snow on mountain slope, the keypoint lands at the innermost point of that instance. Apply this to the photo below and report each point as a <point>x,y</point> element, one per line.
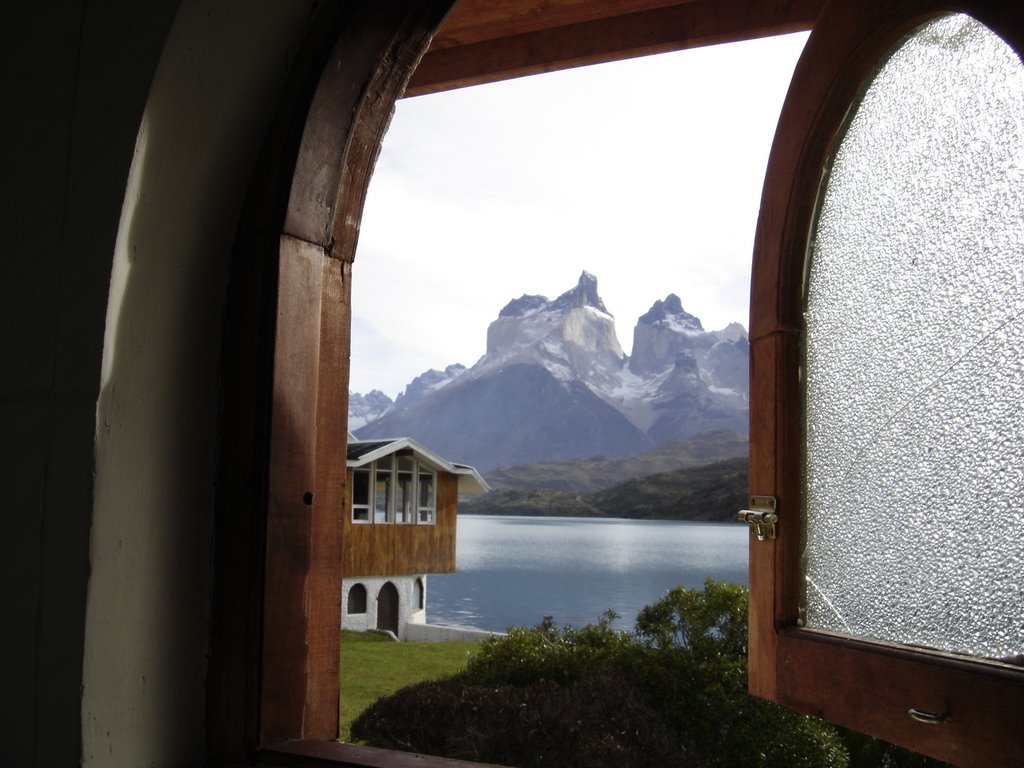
<point>362,409</point>
<point>555,383</point>
<point>573,337</point>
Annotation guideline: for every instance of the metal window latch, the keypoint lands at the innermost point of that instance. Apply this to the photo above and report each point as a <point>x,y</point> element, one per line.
<point>761,517</point>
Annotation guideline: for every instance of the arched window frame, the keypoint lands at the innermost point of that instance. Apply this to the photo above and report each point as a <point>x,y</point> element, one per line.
<point>868,686</point>
<point>282,607</point>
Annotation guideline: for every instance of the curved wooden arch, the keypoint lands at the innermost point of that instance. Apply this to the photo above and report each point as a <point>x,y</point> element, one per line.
<point>373,57</point>
<point>788,664</point>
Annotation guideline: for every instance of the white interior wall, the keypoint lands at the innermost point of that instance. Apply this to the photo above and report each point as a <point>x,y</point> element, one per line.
<point>209,106</point>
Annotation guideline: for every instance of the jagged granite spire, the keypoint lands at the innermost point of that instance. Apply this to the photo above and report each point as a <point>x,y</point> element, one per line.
<point>524,305</point>
<point>583,295</point>
<point>555,384</point>
<point>670,308</point>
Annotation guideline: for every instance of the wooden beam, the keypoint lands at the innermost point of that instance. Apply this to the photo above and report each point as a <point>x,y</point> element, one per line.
<point>872,687</point>
<point>377,48</point>
<point>474,21</point>
<point>531,44</point>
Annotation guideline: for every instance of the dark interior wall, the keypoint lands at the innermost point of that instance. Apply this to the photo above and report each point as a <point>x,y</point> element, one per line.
<point>109,415</point>
<point>75,80</point>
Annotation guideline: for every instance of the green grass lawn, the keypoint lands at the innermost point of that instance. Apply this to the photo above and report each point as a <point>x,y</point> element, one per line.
<point>373,665</point>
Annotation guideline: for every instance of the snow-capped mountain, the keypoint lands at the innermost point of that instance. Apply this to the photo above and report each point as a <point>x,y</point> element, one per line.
<point>555,384</point>
<point>573,337</point>
<point>427,382</point>
<point>363,409</point>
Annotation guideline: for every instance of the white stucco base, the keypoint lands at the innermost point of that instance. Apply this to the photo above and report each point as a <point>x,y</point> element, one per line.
<point>432,633</point>
<point>409,611</point>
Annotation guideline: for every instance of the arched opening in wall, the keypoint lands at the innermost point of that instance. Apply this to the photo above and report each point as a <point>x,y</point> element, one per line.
<point>299,672</point>
<point>418,595</point>
<point>357,599</point>
<point>388,608</point>
<point>578,246</point>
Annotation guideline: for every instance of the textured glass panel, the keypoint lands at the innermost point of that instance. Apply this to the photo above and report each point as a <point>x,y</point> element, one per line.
<point>915,338</point>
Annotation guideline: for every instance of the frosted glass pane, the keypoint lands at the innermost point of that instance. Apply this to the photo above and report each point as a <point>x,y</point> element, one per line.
<point>914,382</point>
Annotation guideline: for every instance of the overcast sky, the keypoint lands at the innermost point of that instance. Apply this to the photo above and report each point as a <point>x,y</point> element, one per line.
<point>646,173</point>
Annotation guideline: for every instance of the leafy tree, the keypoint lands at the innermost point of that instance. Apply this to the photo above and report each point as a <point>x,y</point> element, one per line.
<point>546,652</point>
<point>707,622</point>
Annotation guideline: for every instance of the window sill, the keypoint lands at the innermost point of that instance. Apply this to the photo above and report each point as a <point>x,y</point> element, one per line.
<point>326,753</point>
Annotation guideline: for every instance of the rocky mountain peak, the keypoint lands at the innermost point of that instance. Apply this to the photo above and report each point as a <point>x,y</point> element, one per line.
<point>572,336</point>
<point>671,311</point>
<point>524,305</point>
<point>363,409</point>
<point>428,381</point>
<point>583,295</point>
<point>554,383</point>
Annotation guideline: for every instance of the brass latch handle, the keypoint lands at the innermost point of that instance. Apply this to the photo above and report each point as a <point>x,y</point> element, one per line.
<point>761,517</point>
<point>929,718</point>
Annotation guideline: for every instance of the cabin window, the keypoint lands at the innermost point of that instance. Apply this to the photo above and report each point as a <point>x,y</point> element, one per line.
<point>427,496</point>
<point>384,495</point>
<point>404,492</point>
<point>357,599</point>
<point>404,489</point>
<point>361,495</point>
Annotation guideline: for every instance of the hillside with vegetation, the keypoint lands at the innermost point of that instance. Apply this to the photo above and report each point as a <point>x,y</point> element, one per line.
<point>690,490</point>
<point>599,472</point>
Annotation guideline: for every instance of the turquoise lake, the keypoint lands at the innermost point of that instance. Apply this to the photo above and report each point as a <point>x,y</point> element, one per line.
<point>516,570</point>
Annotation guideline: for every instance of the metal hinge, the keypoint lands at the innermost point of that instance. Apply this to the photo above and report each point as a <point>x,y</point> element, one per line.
<point>760,517</point>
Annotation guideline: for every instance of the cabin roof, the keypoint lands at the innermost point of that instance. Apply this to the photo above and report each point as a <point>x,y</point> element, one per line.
<point>362,452</point>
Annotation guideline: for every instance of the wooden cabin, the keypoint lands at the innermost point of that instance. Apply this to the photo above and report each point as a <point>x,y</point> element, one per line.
<point>399,525</point>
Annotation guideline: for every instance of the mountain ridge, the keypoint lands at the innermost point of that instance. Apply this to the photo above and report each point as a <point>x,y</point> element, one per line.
<point>708,492</point>
<point>554,384</point>
<point>596,473</point>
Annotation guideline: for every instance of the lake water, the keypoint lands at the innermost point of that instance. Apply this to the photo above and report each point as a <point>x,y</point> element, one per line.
<point>516,570</point>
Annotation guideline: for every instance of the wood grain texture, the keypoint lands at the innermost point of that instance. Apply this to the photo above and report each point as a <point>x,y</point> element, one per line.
<point>377,48</point>
<point>400,550</point>
<point>308,753</point>
<point>514,39</point>
<point>872,687</point>
<point>290,525</point>
<point>475,21</point>
<point>351,109</point>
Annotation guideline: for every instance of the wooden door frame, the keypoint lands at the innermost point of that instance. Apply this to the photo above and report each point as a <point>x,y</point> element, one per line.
<point>273,672</point>
<point>863,685</point>
<point>371,61</point>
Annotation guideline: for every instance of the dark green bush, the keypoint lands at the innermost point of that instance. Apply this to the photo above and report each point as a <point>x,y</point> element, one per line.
<point>546,652</point>
<point>672,693</point>
<point>602,721</point>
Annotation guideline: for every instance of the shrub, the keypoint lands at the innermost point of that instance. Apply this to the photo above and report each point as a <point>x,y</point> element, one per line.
<point>707,622</point>
<point>546,652</point>
<point>672,693</point>
<point>600,721</point>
